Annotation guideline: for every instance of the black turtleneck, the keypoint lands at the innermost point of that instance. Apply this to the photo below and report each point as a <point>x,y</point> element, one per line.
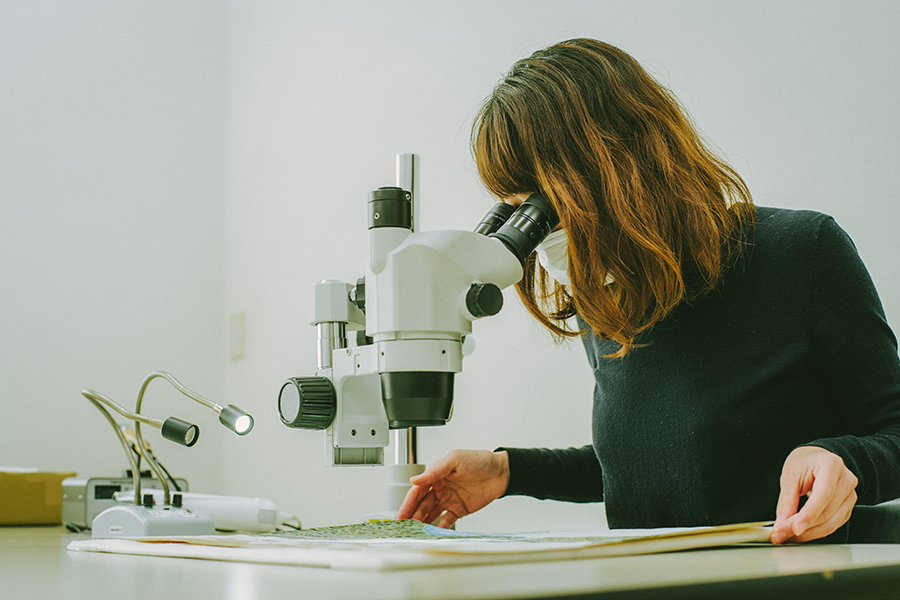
<point>693,425</point>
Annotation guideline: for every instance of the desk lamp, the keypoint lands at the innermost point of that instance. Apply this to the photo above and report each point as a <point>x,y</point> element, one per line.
<point>170,518</point>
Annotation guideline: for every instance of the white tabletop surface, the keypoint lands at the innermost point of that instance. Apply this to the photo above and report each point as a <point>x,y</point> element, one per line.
<point>34,563</point>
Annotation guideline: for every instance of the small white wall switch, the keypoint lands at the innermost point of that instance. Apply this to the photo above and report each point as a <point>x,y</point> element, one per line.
<point>237,335</point>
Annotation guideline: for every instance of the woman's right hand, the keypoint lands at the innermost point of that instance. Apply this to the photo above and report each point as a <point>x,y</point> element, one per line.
<point>457,485</point>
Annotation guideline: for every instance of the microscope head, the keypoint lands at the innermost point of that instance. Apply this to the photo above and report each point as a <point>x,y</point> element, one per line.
<point>430,287</point>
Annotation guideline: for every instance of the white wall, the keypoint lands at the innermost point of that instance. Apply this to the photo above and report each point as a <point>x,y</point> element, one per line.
<point>111,226</point>
<point>801,97</point>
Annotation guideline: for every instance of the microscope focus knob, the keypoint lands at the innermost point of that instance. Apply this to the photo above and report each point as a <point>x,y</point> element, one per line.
<point>307,402</point>
<point>484,299</point>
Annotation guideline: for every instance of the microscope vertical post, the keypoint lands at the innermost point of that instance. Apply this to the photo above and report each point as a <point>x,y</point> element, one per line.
<point>407,178</point>
<point>406,449</point>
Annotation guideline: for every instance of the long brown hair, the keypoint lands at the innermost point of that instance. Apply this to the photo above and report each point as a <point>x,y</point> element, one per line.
<point>642,199</point>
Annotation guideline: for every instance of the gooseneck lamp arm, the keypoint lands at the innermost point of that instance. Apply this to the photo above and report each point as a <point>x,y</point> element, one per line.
<point>172,429</point>
<point>96,400</point>
<point>230,416</point>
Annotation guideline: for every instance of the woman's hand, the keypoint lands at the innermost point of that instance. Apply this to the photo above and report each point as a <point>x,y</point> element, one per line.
<point>457,485</point>
<point>831,490</point>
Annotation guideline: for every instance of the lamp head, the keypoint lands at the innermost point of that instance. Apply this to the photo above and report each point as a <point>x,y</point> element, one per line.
<point>180,432</point>
<point>236,420</point>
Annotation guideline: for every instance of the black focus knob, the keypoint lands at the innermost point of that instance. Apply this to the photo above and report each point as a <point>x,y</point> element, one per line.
<point>484,299</point>
<point>307,402</point>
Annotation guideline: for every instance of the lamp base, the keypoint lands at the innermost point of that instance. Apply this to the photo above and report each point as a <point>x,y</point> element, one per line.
<point>129,520</point>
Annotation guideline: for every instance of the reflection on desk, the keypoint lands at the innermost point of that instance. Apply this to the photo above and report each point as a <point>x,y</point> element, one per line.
<point>34,563</point>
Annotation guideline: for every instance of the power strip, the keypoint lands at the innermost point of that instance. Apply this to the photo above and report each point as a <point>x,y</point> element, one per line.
<point>229,513</point>
<point>85,498</point>
<point>129,520</point>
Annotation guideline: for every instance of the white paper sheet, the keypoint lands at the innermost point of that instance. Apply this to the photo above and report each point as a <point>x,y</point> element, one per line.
<point>435,551</point>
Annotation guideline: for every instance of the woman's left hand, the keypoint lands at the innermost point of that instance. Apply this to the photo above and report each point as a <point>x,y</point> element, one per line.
<point>831,489</point>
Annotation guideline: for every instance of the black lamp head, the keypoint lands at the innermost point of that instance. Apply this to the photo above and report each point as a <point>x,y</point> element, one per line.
<point>180,432</point>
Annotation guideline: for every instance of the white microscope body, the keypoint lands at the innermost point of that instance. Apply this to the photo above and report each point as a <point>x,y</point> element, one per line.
<point>416,305</point>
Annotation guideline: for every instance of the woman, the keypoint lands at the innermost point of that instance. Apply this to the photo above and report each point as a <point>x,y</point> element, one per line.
<point>744,367</point>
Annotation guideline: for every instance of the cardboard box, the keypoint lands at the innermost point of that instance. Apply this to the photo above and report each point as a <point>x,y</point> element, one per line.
<point>31,497</point>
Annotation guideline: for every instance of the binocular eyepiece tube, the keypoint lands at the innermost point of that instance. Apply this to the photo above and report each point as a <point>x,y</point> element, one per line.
<point>520,229</point>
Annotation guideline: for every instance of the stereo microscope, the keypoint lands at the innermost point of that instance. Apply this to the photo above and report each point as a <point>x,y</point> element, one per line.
<point>410,314</point>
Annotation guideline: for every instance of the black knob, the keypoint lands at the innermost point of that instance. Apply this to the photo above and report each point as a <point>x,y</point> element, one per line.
<point>390,207</point>
<point>307,402</point>
<point>358,294</point>
<point>484,299</point>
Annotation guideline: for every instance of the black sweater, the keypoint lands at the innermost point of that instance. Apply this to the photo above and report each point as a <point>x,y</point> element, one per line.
<point>693,428</point>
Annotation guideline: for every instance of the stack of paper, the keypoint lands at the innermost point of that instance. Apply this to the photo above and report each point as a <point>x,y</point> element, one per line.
<point>411,545</point>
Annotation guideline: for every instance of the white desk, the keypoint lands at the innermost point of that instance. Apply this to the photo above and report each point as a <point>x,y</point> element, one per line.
<point>34,563</point>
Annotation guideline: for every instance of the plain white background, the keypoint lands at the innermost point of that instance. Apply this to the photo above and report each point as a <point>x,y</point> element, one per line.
<point>112,188</point>
<point>165,165</point>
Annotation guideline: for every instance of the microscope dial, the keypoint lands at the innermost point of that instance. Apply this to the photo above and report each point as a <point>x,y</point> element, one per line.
<point>484,300</point>
<point>307,402</point>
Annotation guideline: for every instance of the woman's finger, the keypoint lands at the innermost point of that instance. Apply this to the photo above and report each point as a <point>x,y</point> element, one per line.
<point>835,520</point>
<point>425,507</point>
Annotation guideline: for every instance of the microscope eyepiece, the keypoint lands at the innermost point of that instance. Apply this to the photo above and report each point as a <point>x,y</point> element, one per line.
<point>495,218</point>
<point>527,226</point>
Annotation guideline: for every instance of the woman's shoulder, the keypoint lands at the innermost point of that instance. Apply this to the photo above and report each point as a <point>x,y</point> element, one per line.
<point>790,247</point>
<point>793,230</point>
<point>790,220</point>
